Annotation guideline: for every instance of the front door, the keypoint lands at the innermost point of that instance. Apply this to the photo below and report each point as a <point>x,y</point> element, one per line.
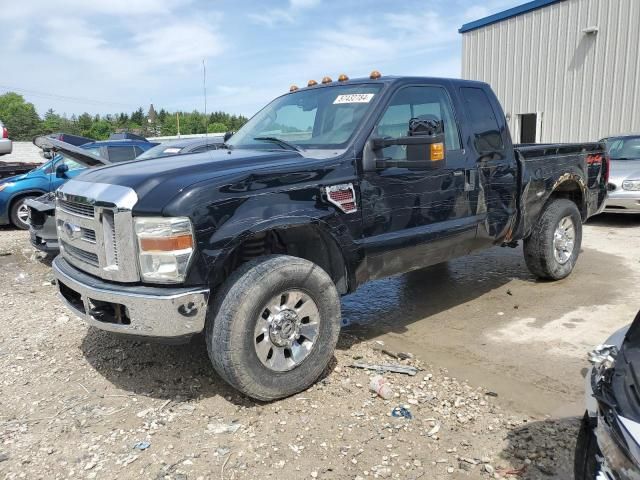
<point>415,216</point>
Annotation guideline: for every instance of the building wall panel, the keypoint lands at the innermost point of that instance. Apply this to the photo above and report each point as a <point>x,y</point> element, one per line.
<point>584,86</point>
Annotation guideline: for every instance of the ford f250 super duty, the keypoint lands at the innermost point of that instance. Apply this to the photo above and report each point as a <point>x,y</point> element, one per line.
<point>327,187</point>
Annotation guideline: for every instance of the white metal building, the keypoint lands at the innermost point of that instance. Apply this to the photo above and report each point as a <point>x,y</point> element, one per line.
<point>564,70</point>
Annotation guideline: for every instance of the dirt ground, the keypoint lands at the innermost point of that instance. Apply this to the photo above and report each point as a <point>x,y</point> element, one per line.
<point>498,393</point>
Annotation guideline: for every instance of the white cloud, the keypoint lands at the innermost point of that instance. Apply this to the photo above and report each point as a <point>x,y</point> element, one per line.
<point>271,17</point>
<point>304,3</point>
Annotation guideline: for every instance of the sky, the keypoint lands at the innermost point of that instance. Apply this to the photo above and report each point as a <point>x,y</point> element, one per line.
<point>107,56</point>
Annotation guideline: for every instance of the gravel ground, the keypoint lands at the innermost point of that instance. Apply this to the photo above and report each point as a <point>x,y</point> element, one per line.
<point>76,402</point>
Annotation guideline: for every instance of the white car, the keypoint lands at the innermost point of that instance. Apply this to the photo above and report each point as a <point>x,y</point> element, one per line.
<point>6,145</point>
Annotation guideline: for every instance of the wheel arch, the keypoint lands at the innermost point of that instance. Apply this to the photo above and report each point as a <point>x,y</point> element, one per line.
<point>303,237</point>
<point>19,195</point>
<point>573,188</point>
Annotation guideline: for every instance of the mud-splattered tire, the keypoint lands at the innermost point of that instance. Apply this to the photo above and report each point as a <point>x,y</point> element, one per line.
<point>268,306</point>
<point>552,249</point>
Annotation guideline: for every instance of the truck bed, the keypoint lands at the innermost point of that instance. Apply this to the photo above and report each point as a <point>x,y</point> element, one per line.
<point>544,167</point>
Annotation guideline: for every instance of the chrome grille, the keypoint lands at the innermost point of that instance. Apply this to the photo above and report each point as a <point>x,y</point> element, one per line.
<point>95,228</point>
<point>82,255</point>
<point>88,235</point>
<point>76,208</point>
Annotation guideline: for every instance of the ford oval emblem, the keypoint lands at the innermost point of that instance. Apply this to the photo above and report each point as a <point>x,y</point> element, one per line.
<point>71,229</point>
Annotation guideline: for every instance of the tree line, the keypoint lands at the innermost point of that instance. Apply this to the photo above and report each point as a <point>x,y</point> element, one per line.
<point>23,122</point>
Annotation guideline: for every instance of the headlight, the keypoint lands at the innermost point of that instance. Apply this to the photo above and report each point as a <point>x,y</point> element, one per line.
<point>165,246</point>
<point>631,185</point>
<point>6,185</point>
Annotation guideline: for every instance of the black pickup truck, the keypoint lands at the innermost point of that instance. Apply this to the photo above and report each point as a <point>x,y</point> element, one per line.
<point>327,187</point>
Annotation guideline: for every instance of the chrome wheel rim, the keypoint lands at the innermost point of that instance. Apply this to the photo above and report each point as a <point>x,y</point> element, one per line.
<point>286,330</point>
<point>23,213</point>
<point>564,240</point>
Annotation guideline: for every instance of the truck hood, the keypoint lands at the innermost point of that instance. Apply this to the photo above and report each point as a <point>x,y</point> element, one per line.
<point>173,174</point>
<point>80,155</point>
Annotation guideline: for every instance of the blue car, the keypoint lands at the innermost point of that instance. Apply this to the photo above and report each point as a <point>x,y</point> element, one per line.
<point>15,191</point>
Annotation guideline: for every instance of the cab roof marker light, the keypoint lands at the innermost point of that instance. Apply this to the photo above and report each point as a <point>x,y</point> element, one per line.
<point>293,88</point>
<point>343,77</point>
<point>326,80</point>
<point>312,83</point>
<point>375,75</point>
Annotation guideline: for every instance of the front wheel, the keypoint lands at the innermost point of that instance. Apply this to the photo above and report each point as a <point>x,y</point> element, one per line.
<point>273,326</point>
<point>20,213</point>
<point>552,249</point>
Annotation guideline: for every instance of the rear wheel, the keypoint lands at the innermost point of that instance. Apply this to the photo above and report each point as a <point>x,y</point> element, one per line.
<point>273,326</point>
<point>20,213</point>
<point>552,249</point>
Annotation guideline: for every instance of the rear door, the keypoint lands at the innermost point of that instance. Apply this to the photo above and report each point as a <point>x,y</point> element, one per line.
<point>488,145</point>
<point>415,215</point>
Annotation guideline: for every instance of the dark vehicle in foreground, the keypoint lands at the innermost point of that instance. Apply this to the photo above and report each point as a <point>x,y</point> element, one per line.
<point>624,181</point>
<point>42,225</point>
<point>182,146</point>
<point>15,191</point>
<point>326,188</point>
<point>608,446</point>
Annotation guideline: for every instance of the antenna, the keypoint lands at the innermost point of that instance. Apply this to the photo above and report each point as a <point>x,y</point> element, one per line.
<point>204,89</point>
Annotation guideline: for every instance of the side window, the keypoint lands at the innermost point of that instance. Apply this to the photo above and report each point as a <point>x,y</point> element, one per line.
<point>60,160</point>
<point>72,164</point>
<point>424,103</point>
<point>121,154</point>
<point>483,120</point>
<point>138,150</point>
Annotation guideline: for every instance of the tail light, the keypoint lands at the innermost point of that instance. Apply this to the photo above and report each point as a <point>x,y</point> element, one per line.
<point>5,132</point>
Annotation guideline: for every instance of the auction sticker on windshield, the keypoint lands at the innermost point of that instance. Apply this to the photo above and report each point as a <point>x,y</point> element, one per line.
<point>354,98</point>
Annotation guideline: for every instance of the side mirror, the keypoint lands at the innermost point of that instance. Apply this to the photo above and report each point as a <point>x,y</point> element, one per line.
<point>61,170</point>
<point>423,151</point>
<point>47,154</point>
<point>227,136</point>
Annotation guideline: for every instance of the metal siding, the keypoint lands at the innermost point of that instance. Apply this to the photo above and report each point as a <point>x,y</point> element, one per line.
<point>585,86</point>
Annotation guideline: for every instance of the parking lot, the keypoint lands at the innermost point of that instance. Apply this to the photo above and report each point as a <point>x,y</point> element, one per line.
<point>498,394</point>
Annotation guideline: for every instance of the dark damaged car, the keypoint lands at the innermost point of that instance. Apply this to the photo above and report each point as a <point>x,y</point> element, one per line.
<point>326,188</point>
<point>608,446</point>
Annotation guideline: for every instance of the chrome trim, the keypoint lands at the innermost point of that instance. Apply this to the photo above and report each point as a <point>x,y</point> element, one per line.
<point>178,313</point>
<point>112,224</point>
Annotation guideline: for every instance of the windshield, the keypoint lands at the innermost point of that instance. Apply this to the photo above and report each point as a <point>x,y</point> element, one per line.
<point>624,148</point>
<point>159,151</point>
<point>318,118</point>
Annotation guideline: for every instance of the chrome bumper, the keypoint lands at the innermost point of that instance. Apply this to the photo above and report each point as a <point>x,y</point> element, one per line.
<point>168,313</point>
<point>622,201</point>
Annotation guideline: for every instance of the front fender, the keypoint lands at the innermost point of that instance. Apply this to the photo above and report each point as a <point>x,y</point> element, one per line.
<point>7,200</point>
<point>230,224</point>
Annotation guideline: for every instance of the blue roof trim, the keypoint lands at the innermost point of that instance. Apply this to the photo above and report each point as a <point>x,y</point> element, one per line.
<point>512,12</point>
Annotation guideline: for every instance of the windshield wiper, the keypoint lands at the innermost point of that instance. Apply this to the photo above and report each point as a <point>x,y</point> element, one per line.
<point>281,142</point>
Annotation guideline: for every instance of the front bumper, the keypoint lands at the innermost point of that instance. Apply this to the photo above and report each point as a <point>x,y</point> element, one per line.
<point>45,237</point>
<point>164,313</point>
<point>623,201</point>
